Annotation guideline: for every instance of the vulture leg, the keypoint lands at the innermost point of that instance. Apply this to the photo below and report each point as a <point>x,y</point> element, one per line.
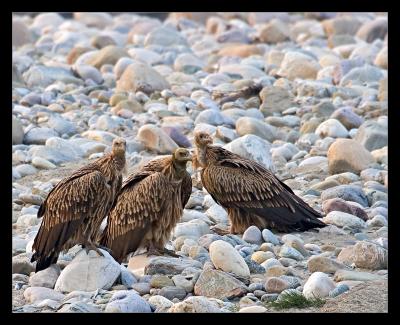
<point>104,248</point>
<point>88,246</point>
<point>168,252</point>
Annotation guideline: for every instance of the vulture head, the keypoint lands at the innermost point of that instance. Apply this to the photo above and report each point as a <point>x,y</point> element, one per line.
<point>202,139</point>
<point>181,155</point>
<point>119,146</point>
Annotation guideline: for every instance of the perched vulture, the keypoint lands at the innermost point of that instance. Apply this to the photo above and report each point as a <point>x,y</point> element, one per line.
<point>250,193</point>
<point>148,206</point>
<point>76,206</point>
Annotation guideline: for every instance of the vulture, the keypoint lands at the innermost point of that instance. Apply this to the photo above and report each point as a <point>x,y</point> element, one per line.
<point>250,193</point>
<point>148,206</point>
<point>74,209</point>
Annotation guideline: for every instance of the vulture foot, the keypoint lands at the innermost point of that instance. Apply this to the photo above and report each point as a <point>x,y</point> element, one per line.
<point>90,246</point>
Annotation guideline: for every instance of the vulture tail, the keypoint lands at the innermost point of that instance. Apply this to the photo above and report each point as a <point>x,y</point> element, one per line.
<point>43,262</point>
<point>283,219</point>
<point>124,244</point>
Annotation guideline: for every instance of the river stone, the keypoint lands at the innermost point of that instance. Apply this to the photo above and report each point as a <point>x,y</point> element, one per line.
<point>226,258</point>
<point>220,285</point>
<point>46,278</point>
<point>370,256</point>
<point>318,285</point>
<point>347,155</point>
<point>193,228</point>
<point>275,99</point>
<point>343,219</point>
<point>107,55</point>
<point>38,135</point>
<point>125,301</point>
<point>17,131</point>
<point>156,139</point>
<point>161,303</point>
<point>337,204</point>
<point>275,285</point>
<point>323,264</point>
<point>252,235</point>
<point>346,275</point>
<point>372,135</point>
<point>140,76</point>
<point>164,36</point>
<point>249,125</point>
<point>43,76</point>
<point>252,147</point>
<point>347,193</point>
<point>170,265</point>
<point>373,29</point>
<point>195,304</point>
<point>331,128</point>
<point>88,272</point>
<point>37,294</point>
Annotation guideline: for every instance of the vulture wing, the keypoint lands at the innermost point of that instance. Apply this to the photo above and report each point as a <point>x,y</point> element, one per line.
<point>245,185</point>
<point>144,198</point>
<point>63,211</point>
<point>186,189</point>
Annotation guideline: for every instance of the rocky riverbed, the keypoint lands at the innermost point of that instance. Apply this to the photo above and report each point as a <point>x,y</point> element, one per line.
<point>304,94</point>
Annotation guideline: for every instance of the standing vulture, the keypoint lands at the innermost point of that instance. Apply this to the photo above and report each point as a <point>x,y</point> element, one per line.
<point>76,206</point>
<point>148,206</point>
<point>251,194</point>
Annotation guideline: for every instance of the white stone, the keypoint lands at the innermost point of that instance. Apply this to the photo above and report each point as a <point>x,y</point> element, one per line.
<point>252,235</point>
<point>42,163</point>
<point>269,237</point>
<point>318,285</point>
<point>27,220</point>
<point>195,304</point>
<point>35,294</point>
<point>45,278</point>
<point>253,309</point>
<point>125,301</point>
<point>228,259</point>
<point>161,303</point>
<point>88,272</point>
<point>217,214</point>
<point>341,219</point>
<point>332,128</point>
<point>194,228</point>
<point>252,147</point>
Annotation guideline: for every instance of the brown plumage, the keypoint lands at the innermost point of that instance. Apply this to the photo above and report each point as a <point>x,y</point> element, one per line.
<point>148,206</point>
<point>250,193</point>
<point>76,206</point>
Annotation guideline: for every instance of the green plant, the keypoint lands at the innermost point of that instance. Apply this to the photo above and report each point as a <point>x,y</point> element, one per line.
<point>296,300</point>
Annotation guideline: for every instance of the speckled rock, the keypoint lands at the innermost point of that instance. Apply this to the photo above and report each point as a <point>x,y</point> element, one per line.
<point>226,258</point>
<point>347,155</point>
<point>141,77</point>
<point>217,284</point>
<point>156,139</point>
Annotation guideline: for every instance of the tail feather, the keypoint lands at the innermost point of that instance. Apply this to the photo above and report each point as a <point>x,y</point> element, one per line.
<point>43,262</point>
<point>282,219</point>
<point>124,244</point>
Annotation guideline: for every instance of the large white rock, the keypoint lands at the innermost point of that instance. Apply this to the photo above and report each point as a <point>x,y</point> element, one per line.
<point>331,128</point>
<point>89,272</point>
<point>228,259</point>
<point>125,301</point>
<point>156,139</point>
<point>318,285</point>
<point>341,219</point>
<point>252,147</point>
